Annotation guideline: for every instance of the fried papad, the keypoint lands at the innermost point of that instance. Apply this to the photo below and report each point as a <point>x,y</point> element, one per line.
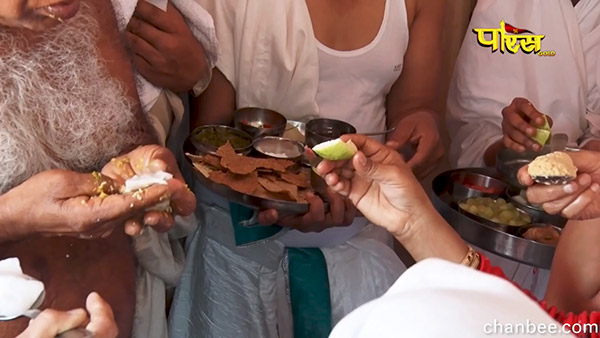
<point>211,160</point>
<point>244,165</point>
<point>245,184</point>
<point>203,168</point>
<point>280,187</point>
<point>301,179</point>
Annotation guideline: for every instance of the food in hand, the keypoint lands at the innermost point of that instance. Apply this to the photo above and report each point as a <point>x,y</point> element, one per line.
<point>553,168</point>
<point>545,234</point>
<point>495,210</point>
<point>262,177</point>
<point>138,182</point>
<point>335,150</point>
<point>543,133</point>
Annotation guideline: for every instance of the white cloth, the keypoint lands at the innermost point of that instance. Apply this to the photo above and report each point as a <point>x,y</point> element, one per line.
<point>362,78</point>
<point>201,25</point>
<point>160,256</point>
<point>353,86</point>
<point>256,46</point>
<point>18,292</point>
<point>231,291</point>
<point>436,298</point>
<point>564,86</point>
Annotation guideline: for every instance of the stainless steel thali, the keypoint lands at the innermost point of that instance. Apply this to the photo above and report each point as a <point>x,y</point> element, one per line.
<point>284,207</point>
<point>481,235</point>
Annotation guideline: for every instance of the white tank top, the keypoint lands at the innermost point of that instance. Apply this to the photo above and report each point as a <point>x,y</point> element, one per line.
<point>353,86</point>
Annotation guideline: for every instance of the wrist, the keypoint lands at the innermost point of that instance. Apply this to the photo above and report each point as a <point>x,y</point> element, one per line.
<point>9,223</point>
<point>426,234</point>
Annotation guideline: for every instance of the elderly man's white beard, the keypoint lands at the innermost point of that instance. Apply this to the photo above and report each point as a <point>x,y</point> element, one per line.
<point>59,107</point>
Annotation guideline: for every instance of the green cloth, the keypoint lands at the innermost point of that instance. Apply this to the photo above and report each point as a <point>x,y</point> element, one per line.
<point>246,235</point>
<point>309,293</point>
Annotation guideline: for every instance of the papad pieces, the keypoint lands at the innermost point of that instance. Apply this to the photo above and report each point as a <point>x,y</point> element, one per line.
<point>246,184</point>
<point>273,179</point>
<point>280,188</point>
<point>244,165</point>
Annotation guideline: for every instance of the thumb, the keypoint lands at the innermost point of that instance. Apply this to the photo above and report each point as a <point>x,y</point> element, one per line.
<point>102,321</point>
<point>586,161</point>
<point>367,168</point>
<point>399,138</point>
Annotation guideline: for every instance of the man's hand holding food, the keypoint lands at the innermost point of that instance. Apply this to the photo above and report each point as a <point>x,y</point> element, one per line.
<point>91,205</point>
<point>146,160</point>
<point>578,199</point>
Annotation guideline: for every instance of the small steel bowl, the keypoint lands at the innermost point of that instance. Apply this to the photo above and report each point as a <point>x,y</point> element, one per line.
<point>466,184</point>
<point>279,147</point>
<point>207,139</point>
<point>295,130</point>
<point>524,229</point>
<point>509,229</point>
<point>322,130</point>
<point>269,122</point>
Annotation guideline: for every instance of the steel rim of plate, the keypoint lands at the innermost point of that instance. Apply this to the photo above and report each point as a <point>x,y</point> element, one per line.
<point>495,241</point>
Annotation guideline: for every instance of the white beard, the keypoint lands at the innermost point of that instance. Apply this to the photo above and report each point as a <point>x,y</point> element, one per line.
<point>59,106</point>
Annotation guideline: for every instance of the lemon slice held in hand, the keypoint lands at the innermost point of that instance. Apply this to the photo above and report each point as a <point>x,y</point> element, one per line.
<point>335,150</point>
<point>543,133</point>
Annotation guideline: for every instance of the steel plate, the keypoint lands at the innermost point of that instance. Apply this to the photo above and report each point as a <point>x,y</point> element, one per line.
<point>493,240</point>
<point>283,207</point>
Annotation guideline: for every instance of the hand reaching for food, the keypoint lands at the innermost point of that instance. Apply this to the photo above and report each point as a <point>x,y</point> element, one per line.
<point>147,167</point>
<point>577,199</point>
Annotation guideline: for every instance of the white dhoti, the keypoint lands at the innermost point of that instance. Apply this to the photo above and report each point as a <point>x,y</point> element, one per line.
<point>243,291</point>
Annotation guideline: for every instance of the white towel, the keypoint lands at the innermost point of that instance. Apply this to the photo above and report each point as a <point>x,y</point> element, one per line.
<point>199,21</point>
<point>436,298</point>
<point>18,292</point>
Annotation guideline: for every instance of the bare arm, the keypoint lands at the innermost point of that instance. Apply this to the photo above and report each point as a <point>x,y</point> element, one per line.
<point>575,268</point>
<point>216,104</point>
<point>418,86</point>
<point>9,229</point>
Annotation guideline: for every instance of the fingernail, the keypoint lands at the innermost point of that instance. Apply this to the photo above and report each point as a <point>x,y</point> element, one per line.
<point>329,178</point>
<point>569,188</point>
<point>595,187</point>
<point>536,147</point>
<point>362,159</point>
<point>530,131</point>
<point>150,222</point>
<point>539,120</point>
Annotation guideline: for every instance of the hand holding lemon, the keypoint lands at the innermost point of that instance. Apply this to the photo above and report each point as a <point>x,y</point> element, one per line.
<point>524,127</point>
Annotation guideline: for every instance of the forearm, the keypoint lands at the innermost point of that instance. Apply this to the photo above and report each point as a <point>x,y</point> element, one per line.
<point>574,281</point>
<point>431,236</point>
<point>216,104</point>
